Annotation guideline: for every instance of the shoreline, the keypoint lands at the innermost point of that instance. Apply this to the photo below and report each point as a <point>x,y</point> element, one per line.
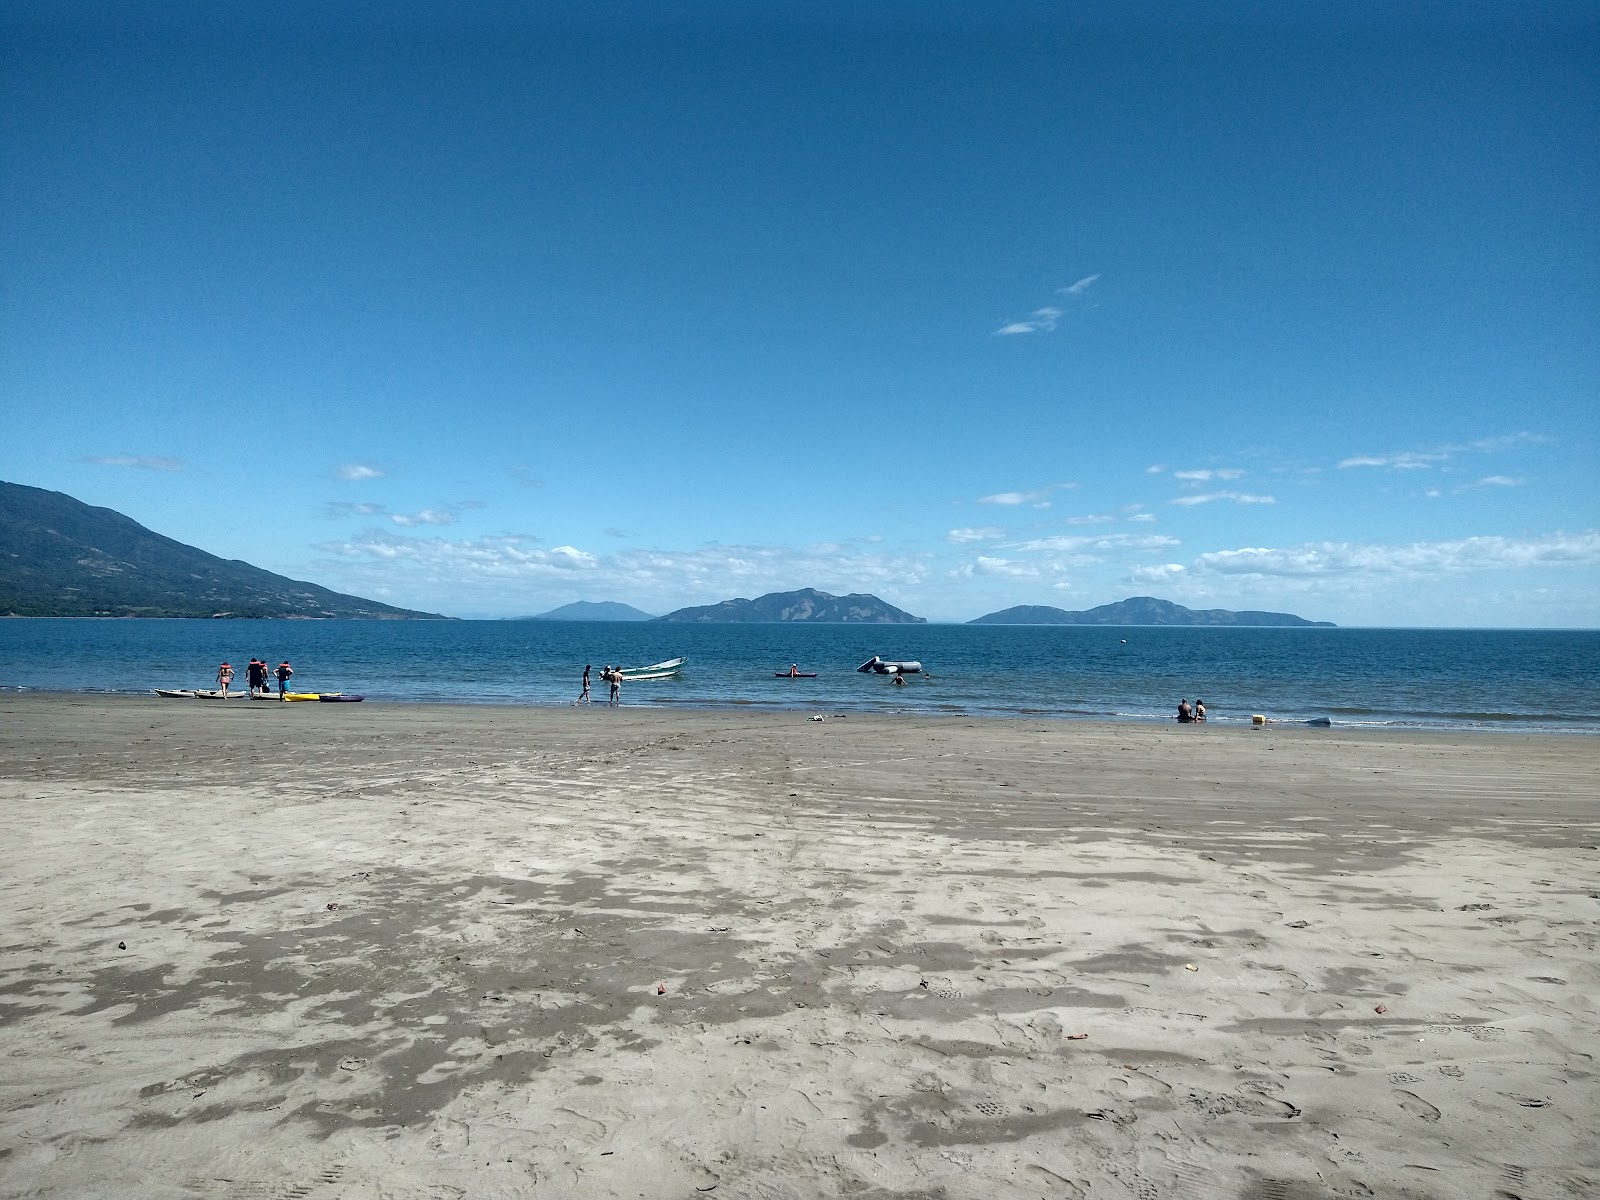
<point>1506,724</point>
<point>417,950</point>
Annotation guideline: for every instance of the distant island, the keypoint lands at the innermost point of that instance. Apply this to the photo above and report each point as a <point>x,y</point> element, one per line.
<point>60,557</point>
<point>1141,610</point>
<point>807,604</point>
<point>590,610</point>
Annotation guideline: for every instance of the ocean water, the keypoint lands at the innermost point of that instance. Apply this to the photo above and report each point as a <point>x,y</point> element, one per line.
<point>1546,681</point>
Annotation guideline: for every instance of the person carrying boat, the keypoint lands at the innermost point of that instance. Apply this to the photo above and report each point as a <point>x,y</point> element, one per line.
<point>283,672</point>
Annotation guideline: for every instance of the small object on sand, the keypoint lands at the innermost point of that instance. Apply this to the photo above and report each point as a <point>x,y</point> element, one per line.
<point>661,989</point>
<point>1190,967</point>
<point>1381,1009</point>
<point>818,717</point>
<point>122,945</point>
<point>1076,1037</point>
<point>1258,720</point>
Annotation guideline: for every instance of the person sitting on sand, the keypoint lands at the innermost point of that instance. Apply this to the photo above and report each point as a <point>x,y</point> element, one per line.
<point>1200,710</point>
<point>1185,713</point>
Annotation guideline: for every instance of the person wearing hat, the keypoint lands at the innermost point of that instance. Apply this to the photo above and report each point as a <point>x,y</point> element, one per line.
<point>283,672</point>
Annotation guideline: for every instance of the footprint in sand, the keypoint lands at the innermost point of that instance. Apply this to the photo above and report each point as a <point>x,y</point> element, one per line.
<point>1414,1105</point>
<point>450,1137</point>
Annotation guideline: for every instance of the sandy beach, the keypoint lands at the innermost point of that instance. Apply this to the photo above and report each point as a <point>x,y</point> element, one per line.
<point>261,950</point>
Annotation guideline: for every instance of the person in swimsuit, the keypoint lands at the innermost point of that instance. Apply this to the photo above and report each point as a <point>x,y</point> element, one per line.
<point>1185,713</point>
<point>224,678</point>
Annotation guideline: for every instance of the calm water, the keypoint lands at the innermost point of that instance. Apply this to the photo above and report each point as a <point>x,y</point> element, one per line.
<point>1501,679</point>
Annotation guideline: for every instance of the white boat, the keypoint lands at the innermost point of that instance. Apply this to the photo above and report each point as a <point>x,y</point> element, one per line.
<point>660,670</point>
<point>878,666</point>
<point>197,694</point>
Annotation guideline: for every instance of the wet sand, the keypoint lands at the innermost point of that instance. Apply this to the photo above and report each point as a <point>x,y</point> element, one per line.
<point>262,950</point>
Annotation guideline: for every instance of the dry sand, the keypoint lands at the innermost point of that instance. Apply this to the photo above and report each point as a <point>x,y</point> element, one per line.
<point>261,950</point>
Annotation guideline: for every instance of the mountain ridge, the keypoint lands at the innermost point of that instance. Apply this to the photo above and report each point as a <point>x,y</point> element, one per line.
<point>1145,610</point>
<point>60,557</point>
<point>590,610</point>
<point>806,604</point>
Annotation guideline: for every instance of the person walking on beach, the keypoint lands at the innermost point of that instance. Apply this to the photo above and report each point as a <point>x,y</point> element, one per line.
<point>583,696</point>
<point>283,672</point>
<point>616,685</point>
<point>224,678</point>
<point>256,676</point>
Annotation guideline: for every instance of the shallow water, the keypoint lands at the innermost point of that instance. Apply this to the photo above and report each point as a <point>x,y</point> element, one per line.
<point>1546,681</point>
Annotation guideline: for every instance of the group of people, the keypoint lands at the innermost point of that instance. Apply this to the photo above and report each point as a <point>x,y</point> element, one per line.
<point>611,675</point>
<point>1194,712</point>
<point>256,672</point>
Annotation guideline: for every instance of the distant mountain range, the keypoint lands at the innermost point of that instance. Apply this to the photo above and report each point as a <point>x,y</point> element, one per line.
<point>1140,610</point>
<point>591,610</point>
<point>807,604</point>
<point>60,557</point>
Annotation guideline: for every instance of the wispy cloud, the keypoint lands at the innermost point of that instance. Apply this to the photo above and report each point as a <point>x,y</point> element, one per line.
<point>445,572</point>
<point>357,471</point>
<point>1419,559</point>
<point>428,516</point>
<point>1040,320</point>
<point>141,462</point>
<point>1206,476</point>
<point>1232,497</point>
<point>987,533</point>
<point>1037,497</point>
<point>997,567</point>
<point>347,508</point>
<point>1043,320</point>
<point>1077,543</point>
<point>1498,481</point>
<point>1421,460</point>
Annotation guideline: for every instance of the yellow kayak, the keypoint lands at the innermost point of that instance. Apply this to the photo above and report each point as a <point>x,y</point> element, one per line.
<point>307,695</point>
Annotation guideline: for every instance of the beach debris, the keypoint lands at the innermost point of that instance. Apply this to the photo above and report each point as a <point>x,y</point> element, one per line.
<point>122,945</point>
<point>661,989</point>
<point>1381,1009</point>
<point>818,717</point>
<point>352,1063</point>
<point>1077,1037</point>
<point>1190,967</point>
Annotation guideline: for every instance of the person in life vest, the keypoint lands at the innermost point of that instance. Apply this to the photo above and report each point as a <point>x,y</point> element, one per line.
<point>224,677</point>
<point>256,674</point>
<point>283,672</point>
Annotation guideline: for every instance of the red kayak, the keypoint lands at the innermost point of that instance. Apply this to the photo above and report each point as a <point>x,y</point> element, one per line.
<point>795,674</point>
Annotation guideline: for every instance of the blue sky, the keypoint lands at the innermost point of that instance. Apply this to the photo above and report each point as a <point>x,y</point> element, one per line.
<point>964,306</point>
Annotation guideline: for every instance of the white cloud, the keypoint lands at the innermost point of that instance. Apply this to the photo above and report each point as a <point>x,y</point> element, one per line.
<point>502,571</point>
<point>1160,574</point>
<point>987,533</point>
<point>1420,460</point>
<point>1041,320</point>
<point>142,462</point>
<point>1099,543</point>
<point>357,471</point>
<point>1082,286</point>
<point>1206,476</point>
<point>1422,559</point>
<point>1499,481</point>
<point>1038,497</point>
<point>428,516</point>
<point>1405,461</point>
<point>346,508</point>
<point>1155,468</point>
<point>1235,497</point>
<point>986,565</point>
